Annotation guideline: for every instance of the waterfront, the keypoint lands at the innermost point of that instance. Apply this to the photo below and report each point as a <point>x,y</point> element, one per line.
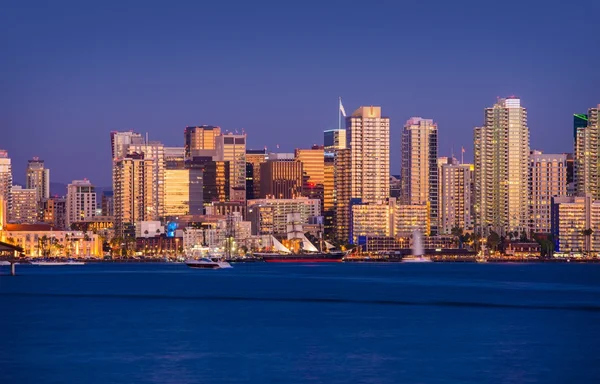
<point>257,323</point>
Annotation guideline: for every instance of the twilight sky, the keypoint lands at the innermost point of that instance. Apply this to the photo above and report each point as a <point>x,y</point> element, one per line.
<point>72,71</point>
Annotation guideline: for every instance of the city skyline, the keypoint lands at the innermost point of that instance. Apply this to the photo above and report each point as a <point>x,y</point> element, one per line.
<point>160,73</point>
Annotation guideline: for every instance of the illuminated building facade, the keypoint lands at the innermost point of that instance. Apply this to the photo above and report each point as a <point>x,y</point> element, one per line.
<point>411,217</point>
<point>419,166</point>
<point>254,158</point>
<point>343,194</point>
<point>334,139</point>
<point>281,179</point>
<point>455,197</point>
<point>373,220</point>
<point>548,180</point>
<point>81,201</point>
<point>575,223</point>
<point>201,141</point>
<point>587,156</point>
<point>24,205</point>
<point>269,216</point>
<point>6,180</point>
<point>502,169</point>
<point>232,148</point>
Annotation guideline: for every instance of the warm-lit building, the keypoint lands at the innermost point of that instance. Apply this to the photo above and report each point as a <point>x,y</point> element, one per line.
<point>548,180</point>
<point>38,178</point>
<point>343,194</point>
<point>313,163</point>
<point>419,166</point>
<point>334,139</point>
<point>254,158</point>
<point>120,142</point>
<point>154,151</point>
<point>224,208</point>
<point>502,169</point>
<point>183,189</point>
<point>368,135</point>
<point>269,216</point>
<point>6,180</point>
<point>133,193</point>
<point>55,212</point>
<point>24,205</point>
<point>201,141</point>
<point>455,196</point>
<point>587,155</point>
<point>329,195</point>
<point>281,179</point>
<point>108,203</point>
<point>232,148</point>
<point>576,224</point>
<point>81,201</point>
<point>410,218</point>
<point>373,220</point>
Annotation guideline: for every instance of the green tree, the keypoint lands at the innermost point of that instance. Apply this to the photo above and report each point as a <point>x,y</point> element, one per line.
<point>493,240</point>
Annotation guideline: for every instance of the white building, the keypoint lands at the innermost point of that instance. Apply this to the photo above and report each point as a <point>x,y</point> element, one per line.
<point>269,216</point>
<point>149,229</point>
<point>548,180</point>
<point>6,179</point>
<point>81,201</point>
<point>456,184</point>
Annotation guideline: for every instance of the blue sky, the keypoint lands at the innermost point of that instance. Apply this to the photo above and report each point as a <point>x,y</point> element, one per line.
<point>73,71</point>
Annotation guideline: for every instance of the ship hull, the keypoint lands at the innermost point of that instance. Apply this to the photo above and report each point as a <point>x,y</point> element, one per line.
<point>302,258</point>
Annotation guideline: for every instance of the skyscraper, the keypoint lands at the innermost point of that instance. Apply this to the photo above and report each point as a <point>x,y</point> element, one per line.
<point>548,180</point>
<point>313,171</point>
<point>232,148</point>
<point>254,158</point>
<point>419,166</point>
<point>81,201</point>
<point>329,195</point>
<point>154,151</point>
<point>133,193</point>
<point>183,186</point>
<point>368,135</point>
<point>580,122</point>
<point>334,139</point>
<point>120,142</point>
<point>38,178</point>
<point>587,156</point>
<point>201,140</point>
<point>6,179</point>
<point>455,199</point>
<point>502,169</point>
<point>343,194</point>
<point>25,205</point>
<point>281,179</point>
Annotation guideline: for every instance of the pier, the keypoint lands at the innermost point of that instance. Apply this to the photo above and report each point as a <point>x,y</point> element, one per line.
<point>10,254</point>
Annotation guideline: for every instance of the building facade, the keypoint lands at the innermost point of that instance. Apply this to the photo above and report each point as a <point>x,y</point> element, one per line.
<point>201,140</point>
<point>373,220</point>
<point>455,197</point>
<point>502,169</point>
<point>6,179</point>
<point>38,178</point>
<point>232,148</point>
<point>281,179</point>
<point>334,139</point>
<point>419,166</point>
<point>254,158</point>
<point>548,180</point>
<point>81,201</point>
<point>587,156</point>
<point>343,194</point>
<point>24,205</point>
<point>575,224</point>
<point>410,218</point>
<point>270,216</point>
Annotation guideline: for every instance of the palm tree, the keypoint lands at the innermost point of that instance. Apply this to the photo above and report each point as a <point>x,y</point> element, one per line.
<point>588,235</point>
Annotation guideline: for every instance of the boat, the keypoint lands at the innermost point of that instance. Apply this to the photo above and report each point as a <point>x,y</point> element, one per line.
<point>56,263</point>
<point>206,263</point>
<point>308,254</point>
<point>417,251</point>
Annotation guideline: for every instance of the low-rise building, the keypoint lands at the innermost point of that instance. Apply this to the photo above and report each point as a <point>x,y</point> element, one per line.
<point>576,224</point>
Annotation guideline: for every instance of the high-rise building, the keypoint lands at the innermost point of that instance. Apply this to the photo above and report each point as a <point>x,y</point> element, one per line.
<point>6,179</point>
<point>281,179</point>
<point>120,142</point>
<point>368,135</point>
<point>183,188</point>
<point>373,220</point>
<point>575,223</point>
<point>215,180</point>
<point>455,198</point>
<point>201,141</point>
<point>329,195</point>
<point>254,158</point>
<point>410,218</point>
<point>548,180</point>
<point>587,155</point>
<point>133,193</point>
<point>502,169</point>
<point>25,205</point>
<point>232,148</point>
<point>81,201</point>
<point>334,139</point>
<point>108,203</point>
<point>313,171</point>
<point>38,178</point>
<point>343,194</point>
<point>419,166</point>
<point>154,151</point>
<point>55,213</point>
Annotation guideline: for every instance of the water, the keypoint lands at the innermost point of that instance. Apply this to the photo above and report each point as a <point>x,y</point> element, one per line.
<point>268,323</point>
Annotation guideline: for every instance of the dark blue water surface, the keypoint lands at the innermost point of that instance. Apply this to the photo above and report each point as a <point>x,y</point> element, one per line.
<point>266,323</point>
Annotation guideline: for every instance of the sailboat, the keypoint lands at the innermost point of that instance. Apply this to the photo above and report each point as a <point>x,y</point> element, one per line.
<point>306,253</point>
<point>417,250</point>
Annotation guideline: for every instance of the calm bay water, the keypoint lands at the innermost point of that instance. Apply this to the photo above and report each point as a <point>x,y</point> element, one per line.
<point>265,323</point>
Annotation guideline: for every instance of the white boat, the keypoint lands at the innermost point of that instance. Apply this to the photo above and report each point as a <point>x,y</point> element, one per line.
<point>55,263</point>
<point>206,263</point>
<point>417,251</point>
